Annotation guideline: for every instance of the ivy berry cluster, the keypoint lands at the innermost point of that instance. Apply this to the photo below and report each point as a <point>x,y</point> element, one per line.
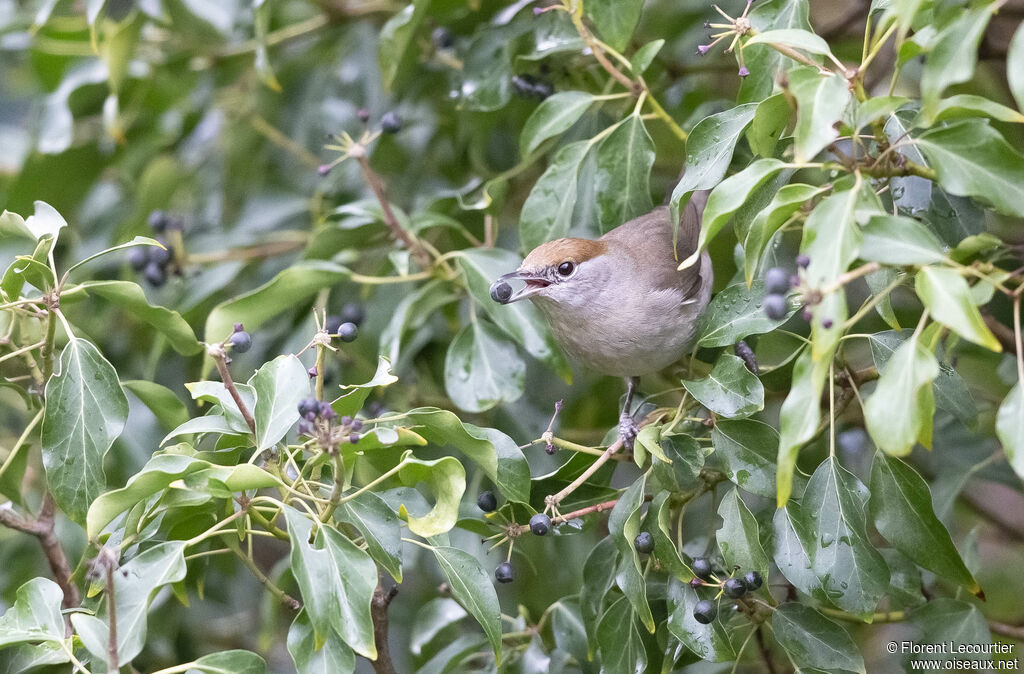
<point>152,262</point>
<point>706,610</point>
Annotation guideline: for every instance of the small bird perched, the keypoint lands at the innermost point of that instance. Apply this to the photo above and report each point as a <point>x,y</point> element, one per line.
<point>618,304</point>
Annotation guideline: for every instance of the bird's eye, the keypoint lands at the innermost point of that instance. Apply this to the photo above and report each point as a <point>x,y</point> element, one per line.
<point>566,268</point>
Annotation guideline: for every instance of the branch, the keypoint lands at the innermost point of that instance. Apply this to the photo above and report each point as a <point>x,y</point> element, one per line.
<point>216,351</point>
<point>766,653</point>
<point>42,528</point>
<point>379,613</point>
<point>375,183</point>
<point>599,507</point>
<point>555,499</point>
<point>1002,333</point>
<point>1002,629</point>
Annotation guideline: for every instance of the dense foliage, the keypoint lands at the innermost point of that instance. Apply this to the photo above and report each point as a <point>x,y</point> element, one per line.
<point>260,411</point>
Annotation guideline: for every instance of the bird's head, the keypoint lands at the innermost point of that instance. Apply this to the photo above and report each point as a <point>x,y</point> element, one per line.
<point>561,271</point>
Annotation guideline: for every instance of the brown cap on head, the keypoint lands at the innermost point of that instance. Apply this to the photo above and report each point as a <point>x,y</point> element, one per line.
<point>558,251</point>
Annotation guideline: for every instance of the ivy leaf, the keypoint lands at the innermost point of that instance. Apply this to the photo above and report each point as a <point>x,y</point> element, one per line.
<point>161,401</point>
<point>553,117</point>
<point>972,159</point>
<point>215,392</point>
<point>547,212</point>
<point>380,528</point>
<point>498,454</point>
<point>472,587</point>
<point>355,395</point>
<point>787,201</point>
<point>812,641</point>
<point>748,449</point>
<point>738,537</point>
<point>952,57</point>
<point>765,64</point>
<point>900,410</point>
<point>735,313</point>
<point>769,123</point>
<point>131,298</point>
<point>521,320</point>
<point>851,571</point>
<point>395,38</point>
<point>621,644</point>
<point>482,368</point>
<point>948,298</point>
<point>336,580</point>
<point>709,642</point>
<point>1015,67</point>
<point>901,507</point>
<point>623,527</point>
<point>659,521</point>
<point>709,149</point>
<point>952,621</point>
<point>279,386</point>
<point>598,576</point>
<point>820,102</point>
<point>86,410</point>
<point>447,480</point>
<point>615,19</point>
<point>898,240</point>
<point>568,630</point>
<point>969,105</point>
<point>799,417</point>
<point>1010,427</point>
<point>135,586</point>
<point>230,662</point>
<point>731,390</point>
<point>792,542</point>
<point>35,616</point>
<point>729,197</point>
<point>622,178</point>
<point>644,56</point>
<point>797,38</point>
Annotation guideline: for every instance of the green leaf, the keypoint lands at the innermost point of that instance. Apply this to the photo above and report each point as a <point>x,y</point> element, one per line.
<point>598,576</point>
<point>879,107</point>
<point>547,212</point>
<point>947,297</point>
<point>380,528</point>
<point>45,221</point>
<point>447,480</point>
<point>901,507</point>
<point>432,618</point>
<point>230,662</point>
<point>163,470</point>
<point>709,149</point>
<point>131,298</point>
<point>731,390</point>
<point>620,642</point>
<point>901,408</point>
<point>820,102</point>
<point>952,57</point>
<point>354,395</point>
<point>738,537</point>
<point>769,123</point>
<point>1010,427</point>
<point>622,178</point>
<point>215,392</point>
<point>395,38</point>
<point>644,56</point>
<point>792,37</point>
<point>567,628</point>
<point>286,291</point>
<point>735,313</point>
<point>898,240</point>
<point>728,198</point>
<point>135,586</point>
<point>34,617</point>
<point>336,579</point>
<point>969,105</point>
<point>86,410</point>
<point>553,117</point>
<point>709,642</point>
<point>487,69</point>
<point>748,448</point>
<point>279,386</point>
<point>334,655</point>
<point>623,526</point>
<point>952,621</point>
<point>521,320</point>
<point>812,641</point>
<point>161,401</point>
<point>498,454</point>
<point>1015,67</point>
<point>799,417</point>
<point>659,523</point>
<point>787,201</point>
<point>792,541</point>
<point>483,368</point>
<point>766,64</point>
<point>972,159</point>
<point>472,587</point>
<point>615,19</point>
<point>852,573</point>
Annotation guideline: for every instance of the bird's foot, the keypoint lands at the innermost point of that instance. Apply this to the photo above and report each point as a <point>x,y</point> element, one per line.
<point>628,429</point>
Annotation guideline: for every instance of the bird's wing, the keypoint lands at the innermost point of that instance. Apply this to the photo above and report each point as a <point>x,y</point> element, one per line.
<point>637,236</point>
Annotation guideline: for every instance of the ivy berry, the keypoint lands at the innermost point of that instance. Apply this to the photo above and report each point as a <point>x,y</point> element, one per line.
<point>348,332</point>
<point>540,524</point>
<point>240,340</point>
<point>391,122</point>
<point>776,281</point>
<point>776,307</point>
<point>701,568</point>
<point>734,587</point>
<point>644,542</point>
<point>487,501</point>
<point>705,611</point>
<point>752,580</point>
<point>503,573</point>
<point>353,312</point>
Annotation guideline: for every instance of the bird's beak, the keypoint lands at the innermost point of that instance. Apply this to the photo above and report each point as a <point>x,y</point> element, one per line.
<point>503,292</point>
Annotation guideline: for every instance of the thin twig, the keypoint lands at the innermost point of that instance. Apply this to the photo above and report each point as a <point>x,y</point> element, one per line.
<point>113,660</point>
<point>216,351</point>
<point>555,499</point>
<point>375,183</point>
<point>42,528</point>
<point>596,508</point>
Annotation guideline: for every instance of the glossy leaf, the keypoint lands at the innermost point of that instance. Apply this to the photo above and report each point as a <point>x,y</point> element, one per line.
<point>708,642</point>
<point>731,390</point>
<point>738,537</point>
<point>380,528</point>
<point>812,641</point>
<point>797,38</point>
<point>615,19</point>
<point>35,616</point>
<point>354,395</point>
<point>447,480</point>
<point>799,417</point>
<point>1015,67</point>
<point>473,588</point>
<point>902,406</point>
<point>598,577</point>
<point>279,386</point>
<point>898,240</point>
<point>161,401</point>
<point>624,161</point>
<point>483,368</point>
<point>547,212</point>
<point>952,58</point>
<point>901,507</point>
<point>784,204</point>
<point>969,105</point>
<point>336,580</point>
<point>623,526</point>
<point>86,411</point>
<point>334,655</point>
<point>948,298</point>
<point>553,117</point>
<point>395,38</point>
<point>734,313</point>
<point>621,645</point>
<point>1010,427</point>
<point>748,448</point>
<point>821,101</point>
<point>230,662</point>
<point>769,123</point>
<point>764,63</point>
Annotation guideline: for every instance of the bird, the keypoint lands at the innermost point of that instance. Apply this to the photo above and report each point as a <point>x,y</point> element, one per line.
<point>619,305</point>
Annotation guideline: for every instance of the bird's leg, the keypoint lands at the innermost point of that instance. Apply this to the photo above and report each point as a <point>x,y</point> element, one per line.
<point>627,425</point>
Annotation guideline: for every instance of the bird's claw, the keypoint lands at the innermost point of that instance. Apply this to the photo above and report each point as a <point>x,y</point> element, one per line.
<point>627,430</point>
